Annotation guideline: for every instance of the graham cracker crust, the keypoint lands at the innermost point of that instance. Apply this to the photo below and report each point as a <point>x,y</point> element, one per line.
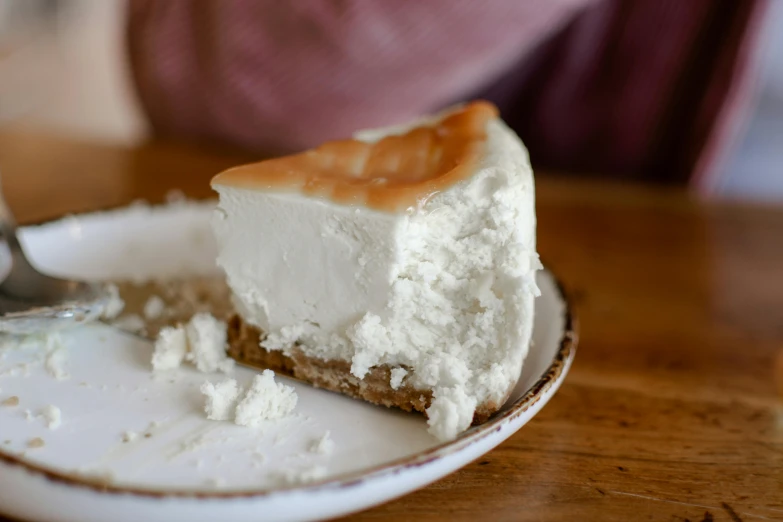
<point>182,299</point>
<point>244,346</point>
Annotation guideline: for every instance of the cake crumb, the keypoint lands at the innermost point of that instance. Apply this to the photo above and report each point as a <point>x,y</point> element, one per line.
<point>28,416</point>
<point>323,445</point>
<point>397,375</point>
<point>131,323</point>
<point>13,400</point>
<point>52,416</point>
<point>207,342</point>
<point>265,400</point>
<point>154,307</point>
<point>450,412</point>
<point>37,442</point>
<point>129,436</point>
<point>221,399</point>
<point>116,305</point>
<point>55,359</point>
<point>202,342</point>
<point>170,348</point>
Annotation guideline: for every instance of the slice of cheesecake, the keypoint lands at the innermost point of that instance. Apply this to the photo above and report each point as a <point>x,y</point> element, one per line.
<point>397,267</point>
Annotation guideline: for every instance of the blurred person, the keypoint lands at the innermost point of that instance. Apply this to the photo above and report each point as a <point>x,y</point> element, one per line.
<point>647,90</point>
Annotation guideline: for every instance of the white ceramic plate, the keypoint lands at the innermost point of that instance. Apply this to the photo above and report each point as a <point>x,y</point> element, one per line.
<point>180,465</point>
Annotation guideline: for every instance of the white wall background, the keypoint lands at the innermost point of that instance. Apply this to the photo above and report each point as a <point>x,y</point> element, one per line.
<point>68,76</point>
<point>754,169</point>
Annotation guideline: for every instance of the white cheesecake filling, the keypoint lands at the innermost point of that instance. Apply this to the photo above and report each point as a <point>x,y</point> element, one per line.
<point>444,291</point>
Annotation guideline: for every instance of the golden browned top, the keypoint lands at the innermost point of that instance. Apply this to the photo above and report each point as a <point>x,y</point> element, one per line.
<point>392,174</point>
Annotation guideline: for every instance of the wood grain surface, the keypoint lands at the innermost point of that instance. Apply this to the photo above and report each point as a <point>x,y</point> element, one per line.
<point>673,409</point>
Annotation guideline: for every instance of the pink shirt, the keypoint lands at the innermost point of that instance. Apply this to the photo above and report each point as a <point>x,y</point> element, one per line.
<point>635,89</point>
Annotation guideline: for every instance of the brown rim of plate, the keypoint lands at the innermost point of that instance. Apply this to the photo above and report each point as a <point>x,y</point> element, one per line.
<point>561,361</point>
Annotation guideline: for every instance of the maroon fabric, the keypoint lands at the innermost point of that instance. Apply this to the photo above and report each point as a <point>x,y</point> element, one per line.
<point>631,89</point>
<point>621,88</point>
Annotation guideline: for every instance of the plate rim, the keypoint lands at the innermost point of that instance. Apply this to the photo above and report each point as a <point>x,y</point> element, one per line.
<point>556,369</point>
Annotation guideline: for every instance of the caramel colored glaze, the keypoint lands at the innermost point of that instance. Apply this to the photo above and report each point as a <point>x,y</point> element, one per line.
<point>392,174</point>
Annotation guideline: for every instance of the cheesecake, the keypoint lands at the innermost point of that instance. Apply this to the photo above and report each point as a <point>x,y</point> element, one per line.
<point>396,267</point>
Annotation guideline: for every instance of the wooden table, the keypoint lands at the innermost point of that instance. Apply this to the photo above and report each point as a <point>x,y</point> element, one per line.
<point>672,410</point>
